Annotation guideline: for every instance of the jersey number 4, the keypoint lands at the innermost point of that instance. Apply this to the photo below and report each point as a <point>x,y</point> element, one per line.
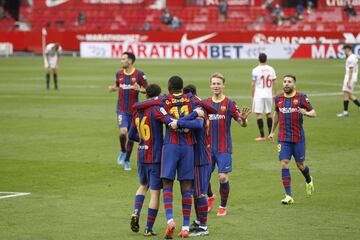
<point>266,81</point>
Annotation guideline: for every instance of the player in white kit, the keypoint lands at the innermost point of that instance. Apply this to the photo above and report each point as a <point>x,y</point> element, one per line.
<point>51,60</point>
<point>263,89</point>
<point>350,79</point>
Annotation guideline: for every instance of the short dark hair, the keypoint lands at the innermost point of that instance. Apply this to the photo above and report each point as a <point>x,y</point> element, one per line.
<point>291,76</point>
<point>153,90</point>
<point>190,89</point>
<point>347,46</point>
<point>175,84</point>
<point>131,56</point>
<point>262,58</point>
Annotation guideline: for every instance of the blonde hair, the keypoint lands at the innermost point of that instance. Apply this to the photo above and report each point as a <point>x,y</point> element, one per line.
<point>217,75</point>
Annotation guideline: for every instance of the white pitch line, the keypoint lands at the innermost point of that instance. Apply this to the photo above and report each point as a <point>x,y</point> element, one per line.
<point>13,194</point>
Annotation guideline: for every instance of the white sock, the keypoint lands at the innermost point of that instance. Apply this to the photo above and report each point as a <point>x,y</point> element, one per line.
<point>185,228</point>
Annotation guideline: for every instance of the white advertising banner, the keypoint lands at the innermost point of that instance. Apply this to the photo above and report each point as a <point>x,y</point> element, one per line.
<point>190,51</point>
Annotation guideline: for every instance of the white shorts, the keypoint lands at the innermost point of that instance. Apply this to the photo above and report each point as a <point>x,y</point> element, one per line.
<point>262,105</point>
<point>52,62</point>
<point>345,87</point>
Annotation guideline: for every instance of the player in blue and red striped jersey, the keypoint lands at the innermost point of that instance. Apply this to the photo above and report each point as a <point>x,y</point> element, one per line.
<point>202,159</point>
<point>178,154</point>
<point>290,107</point>
<point>147,129</point>
<point>129,82</point>
<point>221,137</point>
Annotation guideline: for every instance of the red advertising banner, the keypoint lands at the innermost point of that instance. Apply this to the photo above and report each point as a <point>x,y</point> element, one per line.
<point>70,41</point>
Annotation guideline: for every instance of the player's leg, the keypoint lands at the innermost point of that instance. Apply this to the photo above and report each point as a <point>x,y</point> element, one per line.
<point>285,152</point>
<point>195,224</point>
<point>268,108</point>
<point>129,145</point>
<point>200,189</point>
<point>139,197</point>
<point>211,195</point>
<point>155,186</point>
<point>55,77</point>
<point>269,121</point>
<point>168,206</point>
<point>186,202</point>
<point>224,167</point>
<point>170,158</point>
<point>258,108</point>
<point>138,203</point>
<point>186,177</point>
<point>47,77</point>
<point>347,92</point>
<point>122,125</point>
<point>352,97</point>
<point>152,213</point>
<point>122,140</point>
<point>345,113</point>
<point>299,155</point>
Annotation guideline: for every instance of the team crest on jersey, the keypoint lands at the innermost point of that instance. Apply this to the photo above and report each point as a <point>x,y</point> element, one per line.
<point>133,79</point>
<point>296,101</point>
<point>223,108</point>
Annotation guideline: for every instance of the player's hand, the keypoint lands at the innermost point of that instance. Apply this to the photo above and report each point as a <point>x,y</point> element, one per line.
<point>199,112</point>
<point>137,87</point>
<point>271,136</point>
<point>173,124</point>
<point>245,111</point>
<point>348,84</point>
<point>302,111</point>
<point>112,89</point>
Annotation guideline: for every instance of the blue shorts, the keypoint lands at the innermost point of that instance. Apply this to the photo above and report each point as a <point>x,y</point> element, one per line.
<point>177,158</point>
<point>124,120</point>
<point>288,149</point>
<point>149,175</point>
<point>202,178</point>
<point>223,161</point>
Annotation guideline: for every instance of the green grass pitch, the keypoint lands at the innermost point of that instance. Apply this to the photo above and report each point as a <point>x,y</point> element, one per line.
<point>62,147</point>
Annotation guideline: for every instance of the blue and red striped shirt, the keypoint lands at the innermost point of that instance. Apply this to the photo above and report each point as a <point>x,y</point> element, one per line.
<point>221,124</point>
<point>127,94</point>
<point>290,118</point>
<point>202,148</point>
<point>148,123</point>
<point>177,106</point>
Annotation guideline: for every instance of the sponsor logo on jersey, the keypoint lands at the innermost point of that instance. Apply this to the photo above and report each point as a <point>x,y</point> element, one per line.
<point>288,110</point>
<point>126,86</point>
<point>213,117</point>
<point>143,147</point>
<point>182,130</point>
